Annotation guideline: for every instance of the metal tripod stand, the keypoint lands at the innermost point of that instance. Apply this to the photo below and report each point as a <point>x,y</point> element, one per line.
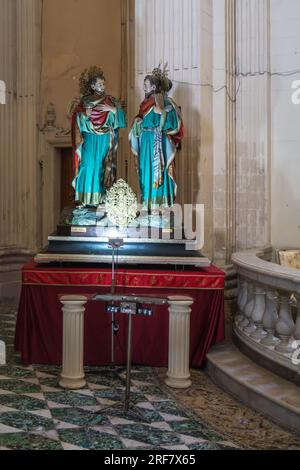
<point>129,305</point>
<point>115,244</point>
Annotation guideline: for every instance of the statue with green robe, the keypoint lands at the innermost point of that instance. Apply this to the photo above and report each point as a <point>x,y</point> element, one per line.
<point>154,138</point>
<point>95,136</point>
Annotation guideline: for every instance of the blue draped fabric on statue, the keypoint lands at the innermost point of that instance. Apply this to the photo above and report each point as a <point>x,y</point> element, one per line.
<point>151,140</point>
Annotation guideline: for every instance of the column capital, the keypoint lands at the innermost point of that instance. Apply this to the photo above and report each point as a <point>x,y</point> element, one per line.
<point>180,300</point>
<point>73,299</point>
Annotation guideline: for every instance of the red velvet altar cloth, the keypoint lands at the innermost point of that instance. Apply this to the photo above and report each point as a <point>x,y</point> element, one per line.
<point>39,322</point>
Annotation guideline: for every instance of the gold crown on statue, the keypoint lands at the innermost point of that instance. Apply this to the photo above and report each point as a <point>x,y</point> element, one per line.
<point>161,74</point>
<point>87,76</point>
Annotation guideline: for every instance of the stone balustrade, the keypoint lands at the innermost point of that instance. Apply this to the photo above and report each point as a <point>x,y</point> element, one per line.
<point>267,324</point>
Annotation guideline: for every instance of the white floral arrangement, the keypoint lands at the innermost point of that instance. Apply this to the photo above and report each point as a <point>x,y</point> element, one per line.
<point>121,204</point>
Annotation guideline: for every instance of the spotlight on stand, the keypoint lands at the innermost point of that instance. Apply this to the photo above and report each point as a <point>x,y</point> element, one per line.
<point>115,243</point>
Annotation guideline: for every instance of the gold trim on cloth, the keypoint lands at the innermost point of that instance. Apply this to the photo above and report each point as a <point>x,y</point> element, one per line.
<point>122,285</point>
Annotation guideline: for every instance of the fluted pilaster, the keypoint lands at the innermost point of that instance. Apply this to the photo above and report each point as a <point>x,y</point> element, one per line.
<point>8,112</point>
<point>253,123</point>
<point>20,24</point>
<point>230,37</point>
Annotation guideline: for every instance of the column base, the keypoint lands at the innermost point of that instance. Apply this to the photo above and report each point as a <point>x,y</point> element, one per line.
<point>270,339</point>
<point>178,382</point>
<point>72,383</point>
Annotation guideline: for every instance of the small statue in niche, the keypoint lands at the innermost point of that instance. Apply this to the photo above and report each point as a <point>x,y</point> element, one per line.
<point>156,134</point>
<point>95,135</point>
<point>50,118</point>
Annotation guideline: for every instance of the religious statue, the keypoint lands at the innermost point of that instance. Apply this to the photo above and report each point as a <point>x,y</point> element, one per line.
<point>154,138</point>
<point>95,134</point>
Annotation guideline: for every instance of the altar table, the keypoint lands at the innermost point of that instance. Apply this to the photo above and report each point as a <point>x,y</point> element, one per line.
<point>39,322</point>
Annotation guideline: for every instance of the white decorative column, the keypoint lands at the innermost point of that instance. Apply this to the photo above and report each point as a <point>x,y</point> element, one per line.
<point>178,375</point>
<point>72,375</point>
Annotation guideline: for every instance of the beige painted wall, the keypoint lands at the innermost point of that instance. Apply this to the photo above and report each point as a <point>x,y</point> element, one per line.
<point>75,35</point>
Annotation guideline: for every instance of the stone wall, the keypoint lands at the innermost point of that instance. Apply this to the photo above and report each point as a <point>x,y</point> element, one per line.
<point>285,57</point>
<point>77,34</point>
<point>44,45</point>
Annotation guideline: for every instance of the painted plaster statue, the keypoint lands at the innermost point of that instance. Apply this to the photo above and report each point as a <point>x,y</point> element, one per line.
<point>154,138</point>
<point>95,135</point>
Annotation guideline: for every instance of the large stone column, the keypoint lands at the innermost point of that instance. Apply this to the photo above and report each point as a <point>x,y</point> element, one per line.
<point>72,375</point>
<point>179,342</point>
<point>20,38</point>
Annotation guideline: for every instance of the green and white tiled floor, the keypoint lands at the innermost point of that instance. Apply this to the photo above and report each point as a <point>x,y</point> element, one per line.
<point>35,413</point>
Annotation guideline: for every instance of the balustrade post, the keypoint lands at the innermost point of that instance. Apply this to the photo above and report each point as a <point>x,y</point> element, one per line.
<point>297,327</point>
<point>285,325</point>
<point>242,299</point>
<point>248,306</point>
<point>250,328</point>
<point>270,318</point>
<point>258,313</point>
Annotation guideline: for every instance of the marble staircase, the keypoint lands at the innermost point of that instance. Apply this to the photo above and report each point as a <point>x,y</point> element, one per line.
<point>255,386</point>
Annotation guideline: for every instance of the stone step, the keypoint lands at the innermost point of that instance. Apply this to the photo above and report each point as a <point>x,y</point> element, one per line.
<point>255,386</point>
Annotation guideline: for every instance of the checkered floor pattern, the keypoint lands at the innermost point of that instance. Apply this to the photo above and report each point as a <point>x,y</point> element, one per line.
<point>35,413</point>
